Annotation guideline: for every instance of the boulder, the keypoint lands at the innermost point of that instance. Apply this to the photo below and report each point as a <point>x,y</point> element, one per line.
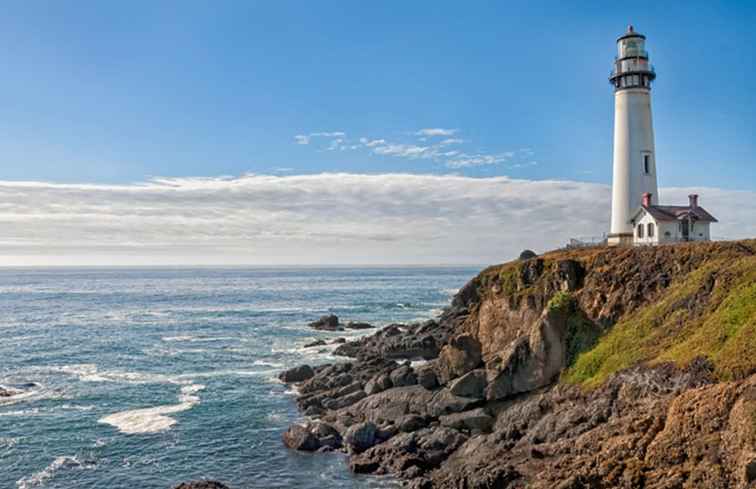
<point>299,437</point>
<point>472,384</point>
<point>361,436</point>
<point>201,485</point>
<point>462,354</point>
<point>426,376</point>
<point>377,384</point>
<point>473,420</point>
<point>339,341</point>
<point>527,255</point>
<point>403,376</point>
<point>315,343</point>
<point>297,374</point>
<point>326,323</point>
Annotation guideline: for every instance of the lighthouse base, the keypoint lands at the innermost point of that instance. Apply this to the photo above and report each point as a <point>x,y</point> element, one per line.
<point>619,239</point>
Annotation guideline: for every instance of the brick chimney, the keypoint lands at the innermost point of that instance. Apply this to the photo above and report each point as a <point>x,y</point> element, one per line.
<point>693,199</point>
<point>646,199</point>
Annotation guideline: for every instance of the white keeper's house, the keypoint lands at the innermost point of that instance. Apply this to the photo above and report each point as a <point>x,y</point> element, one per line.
<point>637,217</point>
<point>657,224</point>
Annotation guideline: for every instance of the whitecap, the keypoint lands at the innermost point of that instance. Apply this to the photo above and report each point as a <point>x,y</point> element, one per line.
<point>40,478</point>
<point>194,339</point>
<point>154,419</point>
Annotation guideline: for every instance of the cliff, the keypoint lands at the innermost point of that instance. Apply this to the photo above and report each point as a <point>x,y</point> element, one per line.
<point>597,368</point>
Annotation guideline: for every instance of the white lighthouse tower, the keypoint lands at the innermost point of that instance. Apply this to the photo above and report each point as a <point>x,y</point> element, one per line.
<point>634,170</point>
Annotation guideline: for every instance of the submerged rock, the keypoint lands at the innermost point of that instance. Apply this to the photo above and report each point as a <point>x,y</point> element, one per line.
<point>201,485</point>
<point>326,323</point>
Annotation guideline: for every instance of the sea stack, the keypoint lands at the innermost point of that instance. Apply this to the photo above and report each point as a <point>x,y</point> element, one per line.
<point>634,168</point>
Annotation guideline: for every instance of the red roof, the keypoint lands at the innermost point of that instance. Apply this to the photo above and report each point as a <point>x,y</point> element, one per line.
<point>679,212</point>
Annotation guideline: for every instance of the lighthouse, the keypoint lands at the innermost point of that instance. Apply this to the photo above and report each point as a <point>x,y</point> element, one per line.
<point>634,168</point>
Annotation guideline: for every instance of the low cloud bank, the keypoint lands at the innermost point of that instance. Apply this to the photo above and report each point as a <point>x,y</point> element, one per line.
<point>330,218</point>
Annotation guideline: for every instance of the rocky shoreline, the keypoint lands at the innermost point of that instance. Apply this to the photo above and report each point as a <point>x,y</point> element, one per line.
<point>555,372</point>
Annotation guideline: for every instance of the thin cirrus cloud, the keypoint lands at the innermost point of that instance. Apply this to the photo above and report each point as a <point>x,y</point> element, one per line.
<point>428,144</point>
<point>329,218</point>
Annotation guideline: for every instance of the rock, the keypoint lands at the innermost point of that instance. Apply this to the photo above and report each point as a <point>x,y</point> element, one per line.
<point>472,384</point>
<point>297,374</point>
<point>473,420</point>
<point>360,437</point>
<point>571,274</point>
<point>345,401</point>
<point>403,376</point>
<point>462,354</point>
<point>357,325</point>
<point>750,471</point>
<point>339,341</point>
<point>532,361</point>
<point>327,435</point>
<point>530,271</point>
<point>315,343</point>
<point>527,255</point>
<point>411,422</point>
<point>326,323</point>
<point>378,384</point>
<point>201,485</point>
<point>444,402</point>
<point>426,376</point>
<point>5,393</point>
<point>313,411</point>
<point>299,437</point>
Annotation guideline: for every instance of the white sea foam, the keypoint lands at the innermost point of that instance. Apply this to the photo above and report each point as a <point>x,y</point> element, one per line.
<point>8,442</point>
<point>88,372</point>
<point>154,419</point>
<point>43,476</point>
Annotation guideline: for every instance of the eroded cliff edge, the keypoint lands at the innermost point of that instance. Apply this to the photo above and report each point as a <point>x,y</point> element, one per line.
<point>595,368</point>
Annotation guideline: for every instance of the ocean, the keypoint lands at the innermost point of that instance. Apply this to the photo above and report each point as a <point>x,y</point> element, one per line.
<point>144,378</point>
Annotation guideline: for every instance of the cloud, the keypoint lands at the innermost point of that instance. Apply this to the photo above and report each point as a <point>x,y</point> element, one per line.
<point>410,151</point>
<point>307,138</point>
<point>436,132</point>
<point>464,160</point>
<point>316,219</point>
<point>449,141</point>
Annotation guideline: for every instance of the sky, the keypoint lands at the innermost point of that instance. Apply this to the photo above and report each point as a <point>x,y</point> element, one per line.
<point>269,133</point>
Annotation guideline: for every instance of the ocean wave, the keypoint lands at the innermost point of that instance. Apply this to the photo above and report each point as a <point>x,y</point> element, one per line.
<point>89,372</point>
<point>8,442</point>
<point>60,463</point>
<point>154,419</point>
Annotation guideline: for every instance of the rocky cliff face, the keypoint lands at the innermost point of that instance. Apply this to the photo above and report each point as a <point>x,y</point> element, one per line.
<point>597,368</point>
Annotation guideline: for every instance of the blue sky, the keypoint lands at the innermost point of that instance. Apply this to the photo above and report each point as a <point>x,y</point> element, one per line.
<point>284,132</point>
<point>120,91</point>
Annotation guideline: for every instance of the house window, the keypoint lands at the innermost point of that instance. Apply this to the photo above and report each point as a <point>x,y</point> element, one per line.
<point>650,230</point>
<point>640,230</point>
<point>647,164</point>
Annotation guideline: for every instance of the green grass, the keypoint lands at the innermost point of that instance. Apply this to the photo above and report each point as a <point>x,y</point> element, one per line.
<point>686,322</point>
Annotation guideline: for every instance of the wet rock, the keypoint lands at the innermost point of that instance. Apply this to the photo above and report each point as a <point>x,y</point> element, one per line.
<point>361,436</point>
<point>201,485</point>
<point>358,325</point>
<point>338,341</point>
<point>462,354</point>
<point>403,376</point>
<point>315,343</point>
<point>326,323</point>
<point>472,384</point>
<point>5,393</point>
<point>473,420</point>
<point>299,437</point>
<point>297,374</point>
